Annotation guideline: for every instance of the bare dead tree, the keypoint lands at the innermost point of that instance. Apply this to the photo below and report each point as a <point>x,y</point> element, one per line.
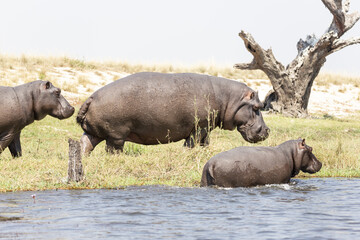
<point>292,84</point>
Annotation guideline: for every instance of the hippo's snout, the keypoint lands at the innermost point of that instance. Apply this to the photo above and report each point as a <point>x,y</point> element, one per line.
<point>314,167</point>
<point>67,112</point>
<point>317,166</point>
<point>267,132</point>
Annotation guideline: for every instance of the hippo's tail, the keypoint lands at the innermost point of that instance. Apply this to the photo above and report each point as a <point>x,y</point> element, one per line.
<point>83,110</point>
<point>207,178</point>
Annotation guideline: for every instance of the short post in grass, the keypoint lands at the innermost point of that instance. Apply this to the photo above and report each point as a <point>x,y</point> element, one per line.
<point>75,170</point>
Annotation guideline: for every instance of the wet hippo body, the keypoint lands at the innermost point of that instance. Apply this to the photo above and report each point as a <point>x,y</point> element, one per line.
<point>252,166</point>
<point>22,105</point>
<point>152,108</point>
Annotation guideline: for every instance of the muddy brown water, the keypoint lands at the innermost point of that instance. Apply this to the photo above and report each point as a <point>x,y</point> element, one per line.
<point>318,208</point>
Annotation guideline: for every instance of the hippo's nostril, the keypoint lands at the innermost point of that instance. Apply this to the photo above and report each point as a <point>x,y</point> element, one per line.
<point>259,130</point>
<point>267,130</point>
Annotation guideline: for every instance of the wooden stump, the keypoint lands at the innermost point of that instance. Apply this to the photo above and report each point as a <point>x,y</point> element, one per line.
<point>75,171</point>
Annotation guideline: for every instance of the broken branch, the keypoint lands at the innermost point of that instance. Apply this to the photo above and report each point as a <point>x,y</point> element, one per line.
<point>342,20</point>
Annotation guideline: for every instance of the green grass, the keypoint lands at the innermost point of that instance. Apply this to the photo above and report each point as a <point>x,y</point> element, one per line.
<point>45,155</point>
<point>45,147</point>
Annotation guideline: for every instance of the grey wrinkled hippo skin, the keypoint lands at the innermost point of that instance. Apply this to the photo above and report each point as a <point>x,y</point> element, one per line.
<point>252,166</point>
<point>22,105</point>
<point>151,108</point>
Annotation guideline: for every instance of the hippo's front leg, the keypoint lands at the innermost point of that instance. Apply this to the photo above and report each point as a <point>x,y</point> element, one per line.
<point>15,146</point>
<point>201,136</point>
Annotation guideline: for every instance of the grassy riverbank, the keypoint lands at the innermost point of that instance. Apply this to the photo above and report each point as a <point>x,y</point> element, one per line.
<point>45,155</point>
<point>45,147</point>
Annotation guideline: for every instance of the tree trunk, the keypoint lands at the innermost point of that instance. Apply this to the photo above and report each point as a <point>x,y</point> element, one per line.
<point>292,85</point>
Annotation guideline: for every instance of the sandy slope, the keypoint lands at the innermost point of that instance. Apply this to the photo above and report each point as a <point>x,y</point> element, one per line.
<point>334,100</point>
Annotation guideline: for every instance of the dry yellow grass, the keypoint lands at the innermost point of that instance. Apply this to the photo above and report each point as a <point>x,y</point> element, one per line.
<point>326,79</point>
<point>39,66</point>
<point>15,70</point>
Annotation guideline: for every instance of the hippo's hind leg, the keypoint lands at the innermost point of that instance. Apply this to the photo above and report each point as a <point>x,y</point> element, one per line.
<point>114,146</point>
<point>207,178</point>
<point>15,146</point>
<point>88,143</point>
<point>116,140</point>
<point>201,136</point>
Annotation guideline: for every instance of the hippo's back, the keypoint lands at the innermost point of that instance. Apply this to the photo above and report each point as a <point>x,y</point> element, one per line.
<point>164,85</point>
<point>152,105</point>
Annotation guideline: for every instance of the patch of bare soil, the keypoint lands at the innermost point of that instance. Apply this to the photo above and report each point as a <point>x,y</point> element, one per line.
<point>333,100</point>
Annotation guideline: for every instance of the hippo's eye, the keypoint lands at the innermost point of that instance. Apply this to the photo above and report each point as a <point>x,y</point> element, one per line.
<point>57,93</point>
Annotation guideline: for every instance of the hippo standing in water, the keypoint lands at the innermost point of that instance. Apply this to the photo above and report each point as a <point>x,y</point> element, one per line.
<point>21,105</point>
<point>152,108</point>
<point>252,166</point>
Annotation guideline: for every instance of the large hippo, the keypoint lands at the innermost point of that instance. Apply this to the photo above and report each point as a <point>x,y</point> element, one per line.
<point>252,166</point>
<point>21,105</point>
<point>151,108</point>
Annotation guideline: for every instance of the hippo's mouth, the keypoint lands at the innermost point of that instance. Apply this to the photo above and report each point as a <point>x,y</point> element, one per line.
<point>63,113</point>
<point>245,135</point>
<point>67,112</point>
<point>314,167</point>
<point>250,137</point>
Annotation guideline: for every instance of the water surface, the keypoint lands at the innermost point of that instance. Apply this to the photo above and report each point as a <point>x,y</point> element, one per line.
<point>326,208</point>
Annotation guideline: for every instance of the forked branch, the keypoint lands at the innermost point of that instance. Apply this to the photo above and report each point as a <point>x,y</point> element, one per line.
<point>343,20</point>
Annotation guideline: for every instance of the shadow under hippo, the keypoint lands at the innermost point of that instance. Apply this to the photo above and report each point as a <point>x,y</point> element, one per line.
<point>151,108</point>
<point>22,105</point>
<point>252,166</point>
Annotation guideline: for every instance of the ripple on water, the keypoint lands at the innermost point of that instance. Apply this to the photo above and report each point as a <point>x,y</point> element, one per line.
<point>302,209</point>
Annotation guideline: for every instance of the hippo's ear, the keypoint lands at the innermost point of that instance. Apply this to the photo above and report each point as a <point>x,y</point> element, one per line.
<point>249,95</point>
<point>302,143</point>
<point>45,85</point>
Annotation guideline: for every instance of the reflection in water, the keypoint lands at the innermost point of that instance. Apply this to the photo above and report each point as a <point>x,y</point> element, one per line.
<point>3,219</point>
<point>303,209</point>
